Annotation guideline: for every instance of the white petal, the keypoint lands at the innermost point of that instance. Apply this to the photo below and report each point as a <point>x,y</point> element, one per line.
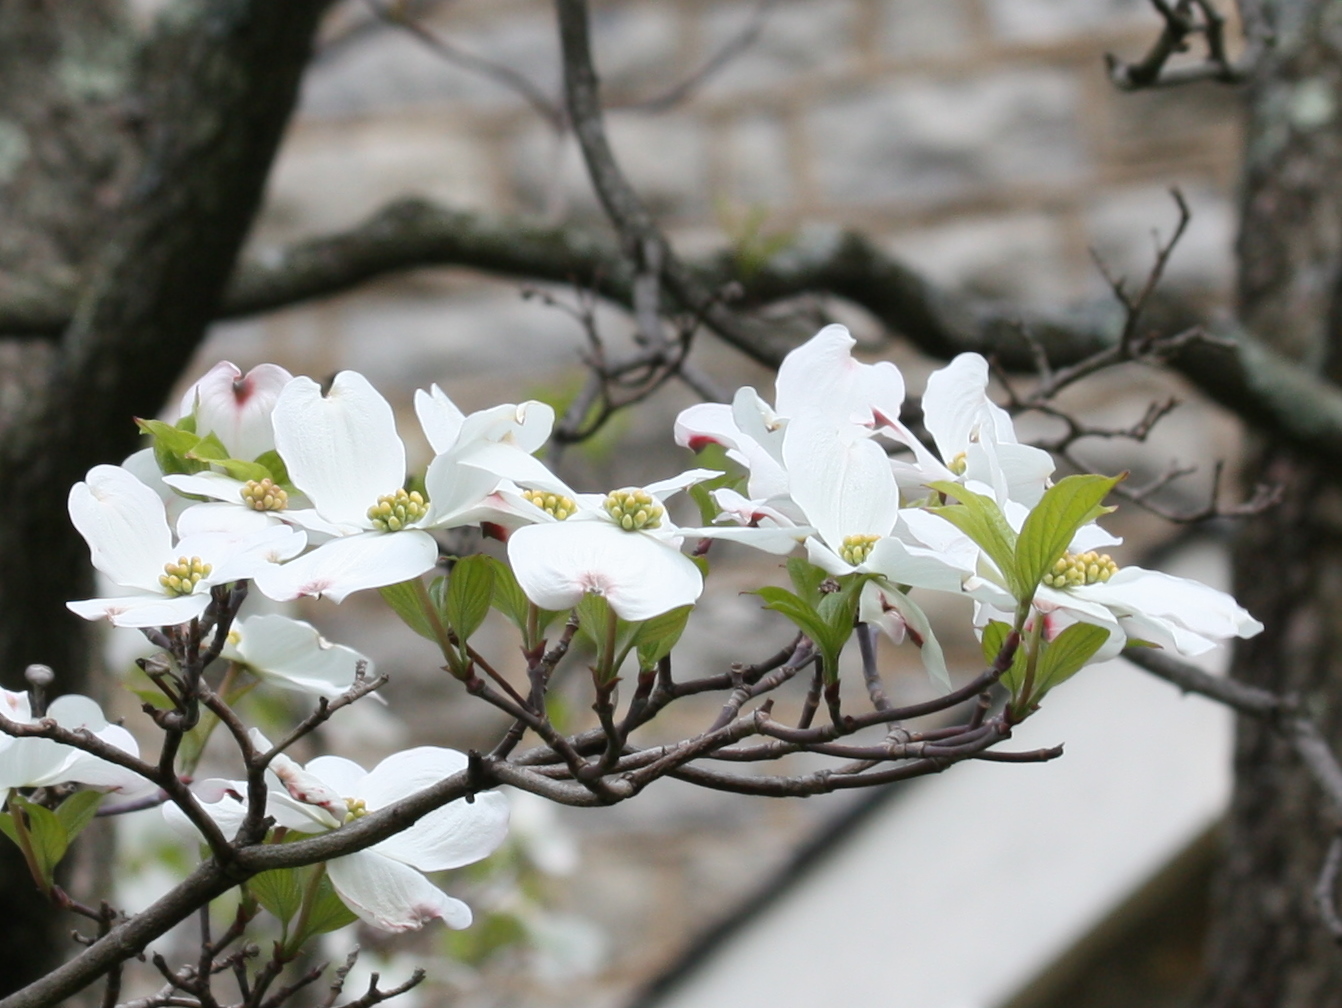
<point>293,655</point>
<point>341,449</point>
<point>455,488</point>
<point>460,833</point>
<point>350,564</point>
<point>843,484</point>
<point>557,563</point>
<point>524,426</point>
<point>1184,603</point>
<point>877,600</point>
<point>821,379</point>
<point>214,485</point>
<point>125,526</point>
<point>143,610</point>
<point>392,896</point>
<point>342,775</point>
<point>779,540</point>
<point>953,402</point>
<point>908,564</point>
<point>236,407</point>
<point>439,417</point>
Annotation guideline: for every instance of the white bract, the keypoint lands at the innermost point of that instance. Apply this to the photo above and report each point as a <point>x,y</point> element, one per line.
<point>236,408</point>
<point>39,762</point>
<point>291,654</point>
<point>127,530</point>
<point>383,884</point>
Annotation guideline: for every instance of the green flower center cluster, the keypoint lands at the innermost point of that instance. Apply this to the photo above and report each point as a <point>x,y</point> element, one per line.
<point>856,548</point>
<point>1076,569</point>
<point>959,464</point>
<point>356,808</point>
<point>181,578</point>
<point>264,495</point>
<point>555,505</point>
<point>634,509</point>
<point>394,512</point>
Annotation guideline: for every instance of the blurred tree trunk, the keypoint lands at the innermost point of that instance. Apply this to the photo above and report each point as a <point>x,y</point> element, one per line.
<point>132,158</point>
<point>1268,948</point>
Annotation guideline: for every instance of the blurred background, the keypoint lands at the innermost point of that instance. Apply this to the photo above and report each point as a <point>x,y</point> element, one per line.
<point>980,141</point>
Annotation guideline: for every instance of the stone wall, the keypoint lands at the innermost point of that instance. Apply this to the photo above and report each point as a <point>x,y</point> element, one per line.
<point>979,139</point>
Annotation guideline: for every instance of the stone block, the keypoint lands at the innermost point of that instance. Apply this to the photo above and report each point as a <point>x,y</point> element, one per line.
<point>917,29</point>
<point>665,157</point>
<point>1122,225</point>
<point>932,139</point>
<point>1052,20</point>
<point>756,162</point>
<point>1016,256</point>
<point>797,38</point>
<point>637,48</point>
<point>324,181</point>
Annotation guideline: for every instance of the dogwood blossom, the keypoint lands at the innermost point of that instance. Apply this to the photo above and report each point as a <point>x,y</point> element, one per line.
<point>235,407</point>
<point>39,762</point>
<point>383,884</point>
<point>292,655</point>
<point>126,527</point>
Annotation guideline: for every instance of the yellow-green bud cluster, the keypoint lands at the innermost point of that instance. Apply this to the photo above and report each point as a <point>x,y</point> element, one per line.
<point>356,808</point>
<point>959,464</point>
<point>181,578</point>
<point>856,548</point>
<point>394,512</point>
<point>1076,569</point>
<point>264,495</point>
<point>555,505</point>
<point>634,509</point>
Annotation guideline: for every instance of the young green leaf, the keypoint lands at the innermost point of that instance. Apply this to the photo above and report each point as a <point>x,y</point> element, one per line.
<point>405,601</point>
<point>656,637</point>
<point>1067,654</point>
<point>806,578</point>
<point>470,589</point>
<point>1048,530</point>
<point>279,891</point>
<point>994,634</point>
<point>77,811</point>
<point>327,912</point>
<point>241,470</point>
<point>508,598</point>
<point>982,520</point>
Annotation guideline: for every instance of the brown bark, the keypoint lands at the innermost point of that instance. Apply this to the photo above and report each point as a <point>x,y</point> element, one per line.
<point>1268,947</point>
<point>206,98</point>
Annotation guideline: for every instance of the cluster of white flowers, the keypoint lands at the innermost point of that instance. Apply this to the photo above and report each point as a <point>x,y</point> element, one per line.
<point>302,491</point>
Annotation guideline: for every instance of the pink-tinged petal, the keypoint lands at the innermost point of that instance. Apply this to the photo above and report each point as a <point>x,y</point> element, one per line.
<point>350,564</point>
<point>843,485</point>
<point>236,408</point>
<point>340,774</point>
<point>439,417</point>
<point>821,379</point>
<point>143,610</point>
<point>558,562</point>
<point>704,424</point>
<point>341,448</point>
<point>898,615</point>
<point>124,524</point>
<point>392,896</point>
<point>455,488</point>
<point>291,654</point>
<point>308,788</point>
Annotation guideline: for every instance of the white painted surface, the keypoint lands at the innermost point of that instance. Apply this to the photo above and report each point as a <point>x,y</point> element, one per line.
<point>967,886</point>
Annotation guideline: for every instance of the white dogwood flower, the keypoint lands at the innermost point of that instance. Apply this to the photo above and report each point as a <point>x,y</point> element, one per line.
<point>292,655</point>
<point>170,579</point>
<point>39,762</point>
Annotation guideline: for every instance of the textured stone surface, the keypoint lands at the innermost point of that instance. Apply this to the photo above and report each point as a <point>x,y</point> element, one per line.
<point>934,139</point>
<point>799,38</point>
<point>916,29</point>
<point>1048,20</point>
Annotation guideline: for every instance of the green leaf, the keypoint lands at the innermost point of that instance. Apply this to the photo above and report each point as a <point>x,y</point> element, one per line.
<point>275,467</point>
<point>509,599</point>
<point>994,634</point>
<point>77,811</point>
<point>1067,654</point>
<point>656,637</point>
<point>327,912</point>
<point>245,471</point>
<point>46,834</point>
<point>171,439</point>
<point>806,578</point>
<point>405,601</point>
<point>794,608</point>
<point>208,449</point>
<point>280,891</point>
<point>1048,529</point>
<point>470,589</point>
<point>982,520</point>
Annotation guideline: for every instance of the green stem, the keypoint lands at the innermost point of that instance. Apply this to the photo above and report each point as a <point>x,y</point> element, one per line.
<point>440,632</point>
<point>296,937</point>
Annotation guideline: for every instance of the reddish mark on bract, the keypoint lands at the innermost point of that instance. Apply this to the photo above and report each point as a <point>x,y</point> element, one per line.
<point>699,442</point>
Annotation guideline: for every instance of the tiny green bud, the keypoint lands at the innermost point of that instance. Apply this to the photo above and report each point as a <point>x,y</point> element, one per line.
<point>555,505</point>
<point>393,512</point>
<point>1073,570</point>
<point>181,578</point>
<point>264,495</point>
<point>634,509</point>
<point>959,464</point>
<point>856,548</point>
